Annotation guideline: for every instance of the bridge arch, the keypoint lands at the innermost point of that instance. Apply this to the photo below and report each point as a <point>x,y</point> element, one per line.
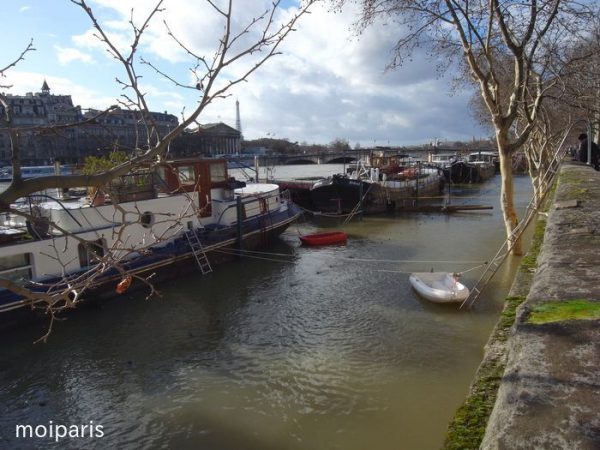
<point>291,162</point>
<point>341,160</point>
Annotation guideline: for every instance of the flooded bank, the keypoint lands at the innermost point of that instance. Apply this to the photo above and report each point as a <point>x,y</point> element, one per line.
<point>297,347</point>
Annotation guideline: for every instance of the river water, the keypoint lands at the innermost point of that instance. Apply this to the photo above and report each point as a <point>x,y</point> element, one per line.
<point>297,348</point>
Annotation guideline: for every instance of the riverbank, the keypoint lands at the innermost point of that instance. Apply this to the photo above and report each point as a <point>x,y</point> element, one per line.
<point>539,383</point>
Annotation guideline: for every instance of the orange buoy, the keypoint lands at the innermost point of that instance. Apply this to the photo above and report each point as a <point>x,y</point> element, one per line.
<point>124,284</point>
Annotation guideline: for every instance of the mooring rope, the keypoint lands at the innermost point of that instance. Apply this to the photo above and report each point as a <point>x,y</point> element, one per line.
<point>322,214</point>
<point>234,252</point>
<point>288,258</point>
<point>461,272</point>
<point>355,210</point>
<point>453,261</point>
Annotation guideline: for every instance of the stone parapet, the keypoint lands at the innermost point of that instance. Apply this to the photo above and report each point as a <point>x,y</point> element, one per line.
<point>549,394</point>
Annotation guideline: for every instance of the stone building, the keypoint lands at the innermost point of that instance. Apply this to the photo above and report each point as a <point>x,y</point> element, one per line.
<point>215,139</point>
<point>37,110</point>
<point>120,129</point>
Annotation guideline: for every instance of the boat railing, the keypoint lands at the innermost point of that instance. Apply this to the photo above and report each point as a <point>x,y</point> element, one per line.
<point>32,221</point>
<point>27,219</point>
<point>133,187</point>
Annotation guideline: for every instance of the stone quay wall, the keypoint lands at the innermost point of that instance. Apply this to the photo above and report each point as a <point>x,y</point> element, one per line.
<point>538,386</point>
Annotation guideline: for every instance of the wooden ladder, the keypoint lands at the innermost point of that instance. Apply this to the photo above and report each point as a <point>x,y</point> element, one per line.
<point>198,251</point>
<point>516,233</point>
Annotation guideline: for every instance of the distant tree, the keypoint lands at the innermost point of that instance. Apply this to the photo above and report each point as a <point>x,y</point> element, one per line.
<point>99,164</point>
<point>339,145</point>
<point>571,103</point>
<point>277,146</point>
<point>506,48</point>
<point>579,78</point>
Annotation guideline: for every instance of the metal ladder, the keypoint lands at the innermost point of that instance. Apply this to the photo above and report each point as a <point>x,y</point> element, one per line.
<point>198,251</point>
<point>516,233</point>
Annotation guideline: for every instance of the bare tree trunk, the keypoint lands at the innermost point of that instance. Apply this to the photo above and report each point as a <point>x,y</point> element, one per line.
<point>507,199</point>
<point>536,181</point>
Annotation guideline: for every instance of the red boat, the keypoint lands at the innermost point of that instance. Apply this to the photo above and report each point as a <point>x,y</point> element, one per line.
<point>327,238</point>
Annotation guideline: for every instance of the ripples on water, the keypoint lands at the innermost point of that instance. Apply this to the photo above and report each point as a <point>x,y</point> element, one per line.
<point>319,348</point>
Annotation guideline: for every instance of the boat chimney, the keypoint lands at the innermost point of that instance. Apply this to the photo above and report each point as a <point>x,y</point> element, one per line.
<point>256,168</point>
<point>238,120</point>
<point>59,191</point>
<point>238,124</point>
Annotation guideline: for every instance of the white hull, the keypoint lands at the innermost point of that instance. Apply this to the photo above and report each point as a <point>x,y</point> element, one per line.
<point>439,287</point>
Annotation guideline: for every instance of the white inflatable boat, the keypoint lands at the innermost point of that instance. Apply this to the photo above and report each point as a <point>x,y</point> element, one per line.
<point>439,287</point>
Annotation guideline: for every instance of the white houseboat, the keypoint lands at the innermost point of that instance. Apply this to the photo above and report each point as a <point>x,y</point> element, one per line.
<point>159,222</point>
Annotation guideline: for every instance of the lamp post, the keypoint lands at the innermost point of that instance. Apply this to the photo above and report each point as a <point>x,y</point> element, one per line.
<point>589,143</point>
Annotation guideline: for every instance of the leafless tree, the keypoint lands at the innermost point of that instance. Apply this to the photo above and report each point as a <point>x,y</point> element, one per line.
<point>579,79</point>
<point>494,39</point>
<point>542,144</point>
<point>246,48</point>
<point>233,49</point>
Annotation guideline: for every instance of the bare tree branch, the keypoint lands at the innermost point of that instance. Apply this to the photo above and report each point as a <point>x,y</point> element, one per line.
<point>232,50</point>
<point>21,57</point>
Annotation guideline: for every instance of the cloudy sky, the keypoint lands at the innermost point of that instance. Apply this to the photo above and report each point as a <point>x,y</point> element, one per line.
<point>329,82</point>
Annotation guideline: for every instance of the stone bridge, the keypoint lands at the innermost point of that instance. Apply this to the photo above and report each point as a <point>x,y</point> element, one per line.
<point>339,157</point>
<point>310,158</point>
<point>347,156</point>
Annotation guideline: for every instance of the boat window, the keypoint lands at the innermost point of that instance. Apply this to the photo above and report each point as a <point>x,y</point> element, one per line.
<point>16,267</point>
<point>91,252</point>
<point>186,175</point>
<point>161,179</point>
<point>12,261</point>
<point>263,205</point>
<point>218,172</point>
<point>250,209</point>
<point>147,219</point>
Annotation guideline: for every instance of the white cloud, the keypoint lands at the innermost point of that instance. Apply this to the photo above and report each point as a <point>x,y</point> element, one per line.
<point>328,82</point>
<point>67,55</point>
<point>91,42</point>
<point>22,9</point>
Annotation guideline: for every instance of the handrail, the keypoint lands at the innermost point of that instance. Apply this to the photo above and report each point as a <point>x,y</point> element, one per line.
<point>57,201</point>
<point>516,233</point>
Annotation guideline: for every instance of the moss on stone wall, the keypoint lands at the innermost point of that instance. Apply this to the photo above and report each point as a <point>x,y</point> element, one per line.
<point>570,177</point>
<point>571,182</point>
<point>468,425</point>
<point>578,309</point>
<point>529,261</point>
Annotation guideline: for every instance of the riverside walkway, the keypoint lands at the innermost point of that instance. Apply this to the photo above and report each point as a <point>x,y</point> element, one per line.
<point>549,394</point>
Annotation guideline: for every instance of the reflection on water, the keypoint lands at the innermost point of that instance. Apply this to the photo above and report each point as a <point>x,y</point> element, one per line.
<point>304,348</point>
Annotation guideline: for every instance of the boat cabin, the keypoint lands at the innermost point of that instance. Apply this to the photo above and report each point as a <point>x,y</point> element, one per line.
<point>443,159</point>
<point>207,177</point>
<point>489,157</point>
<point>205,180</point>
<point>390,164</point>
